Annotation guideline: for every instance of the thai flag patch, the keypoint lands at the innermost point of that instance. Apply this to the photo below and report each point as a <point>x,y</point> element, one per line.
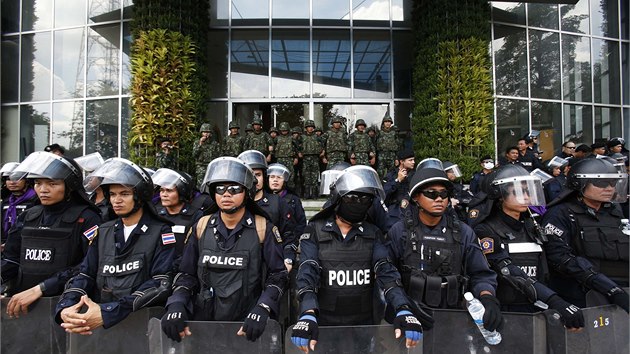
<point>91,232</point>
<point>168,238</point>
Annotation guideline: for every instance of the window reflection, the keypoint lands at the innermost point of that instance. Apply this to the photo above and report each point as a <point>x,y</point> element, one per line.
<point>607,122</point>
<point>290,63</point>
<point>510,59</point>
<point>401,11</point>
<point>249,9</point>
<point>10,66</point>
<point>331,10</point>
<point>547,118</point>
<point>102,62</point>
<point>578,123</point>
<point>625,72</point>
<point>509,12</point>
<point>218,63</point>
<point>126,59</point>
<point>370,10</point>
<point>70,13</point>
<point>36,14</point>
<point>606,71</point>
<point>290,9</point>
<point>576,68</point>
<point>10,17</point>
<point>9,140</point>
<point>101,133</point>
<point>35,75</point>
<point>331,63</point>
<point>125,118</point>
<point>250,64</point>
<point>543,15</point>
<point>34,128</point>
<point>604,18</point>
<point>103,10</point>
<point>403,63</point>
<point>544,64</point>
<point>575,17</point>
<point>372,114</point>
<point>372,64</point>
<point>68,63</point>
<point>512,122</point>
<point>67,126</point>
<point>219,12</point>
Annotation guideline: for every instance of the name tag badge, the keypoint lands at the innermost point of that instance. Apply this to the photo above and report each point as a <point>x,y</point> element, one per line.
<point>178,229</point>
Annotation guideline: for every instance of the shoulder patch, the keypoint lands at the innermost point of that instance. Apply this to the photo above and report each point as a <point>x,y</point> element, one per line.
<point>487,245</point>
<point>305,236</point>
<point>91,232</point>
<point>473,213</point>
<point>404,204</point>
<point>276,234</point>
<point>168,238</point>
<point>551,229</point>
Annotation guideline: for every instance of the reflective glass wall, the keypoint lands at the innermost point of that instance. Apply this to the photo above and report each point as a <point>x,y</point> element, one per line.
<point>65,76</point>
<point>562,70</point>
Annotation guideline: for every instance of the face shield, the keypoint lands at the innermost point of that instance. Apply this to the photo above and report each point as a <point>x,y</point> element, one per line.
<point>228,169</point>
<point>544,176</point>
<point>454,169</point>
<point>359,179</point>
<point>167,178</point>
<point>430,163</point>
<point>557,161</point>
<point>327,178</point>
<point>276,169</point>
<point>41,164</point>
<point>90,162</point>
<point>604,180</point>
<point>7,168</point>
<point>116,171</point>
<point>526,190</point>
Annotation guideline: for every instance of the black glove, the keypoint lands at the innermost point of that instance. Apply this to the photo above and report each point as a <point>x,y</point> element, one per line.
<point>619,297</point>
<point>522,285</point>
<point>408,324</point>
<point>174,321</point>
<point>255,322</point>
<point>305,330</point>
<point>492,318</point>
<point>571,315</point>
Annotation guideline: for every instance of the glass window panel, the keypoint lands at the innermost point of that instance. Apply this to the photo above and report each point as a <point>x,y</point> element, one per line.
<point>336,11</point>
<point>67,126</point>
<point>127,9</point>
<point>402,120</point>
<point>290,63</point>
<point>103,10</point>
<point>626,124</point>
<point>509,12</point>
<point>68,63</point>
<point>249,64</point>
<point>294,113</point>
<point>370,10</point>
<point>578,123</point>
<point>10,68</point>
<point>606,71</point>
<point>217,116</point>
<point>125,118</point>
<point>219,12</point>
<point>69,13</point>
<point>544,61</point>
<point>35,75</point>
<point>607,122</point>
<point>244,112</point>
<point>34,128</point>
<point>576,68</point>
<point>604,18</point>
<point>512,123</point>
<point>250,10</point>
<point>547,118</point>
<point>103,63</point>
<point>101,134</point>
<point>372,114</point>
<point>290,9</point>
<point>218,63</point>
<point>401,12</point>
<point>575,17</point>
<point>403,63</point>
<point>372,64</point>
<point>509,48</point>
<point>36,14</point>
<point>625,69</point>
<point>10,16</point>
<point>331,63</point>
<point>543,15</point>
<point>126,58</point>
<point>625,14</point>
<point>9,139</point>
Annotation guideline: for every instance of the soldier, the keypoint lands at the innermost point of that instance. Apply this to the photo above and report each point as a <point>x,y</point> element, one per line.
<point>286,151</point>
<point>273,133</point>
<point>298,177</point>
<point>234,142</point>
<point>206,150</point>
<point>335,143</point>
<point>259,140</point>
<point>387,145</point>
<point>164,158</point>
<point>248,130</point>
<point>311,152</point>
<point>20,197</point>
<point>360,145</point>
<point>373,133</point>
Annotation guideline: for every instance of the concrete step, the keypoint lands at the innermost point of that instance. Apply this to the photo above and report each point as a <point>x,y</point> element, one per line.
<point>312,206</point>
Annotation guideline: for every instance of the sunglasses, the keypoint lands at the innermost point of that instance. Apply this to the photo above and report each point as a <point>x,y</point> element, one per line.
<point>233,190</point>
<point>603,183</point>
<point>431,194</point>
<point>357,199</point>
<point>570,147</point>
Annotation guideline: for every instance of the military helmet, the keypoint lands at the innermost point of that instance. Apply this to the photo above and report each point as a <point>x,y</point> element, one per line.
<point>257,120</point>
<point>285,126</point>
<point>296,130</point>
<point>337,119</point>
<point>387,118</point>
<point>309,123</point>
<point>254,159</point>
<point>273,130</point>
<point>318,129</point>
<point>248,127</point>
<point>515,180</point>
<point>234,124</point>
<point>360,122</point>
<point>205,127</point>
<point>168,178</point>
<point>429,170</point>
<point>229,169</point>
<point>121,171</point>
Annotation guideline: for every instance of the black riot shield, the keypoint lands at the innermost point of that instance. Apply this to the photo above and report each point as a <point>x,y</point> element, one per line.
<point>128,336</point>
<point>595,298</point>
<point>355,340</point>
<point>606,331</point>
<point>215,337</point>
<point>35,332</point>
<point>455,332</point>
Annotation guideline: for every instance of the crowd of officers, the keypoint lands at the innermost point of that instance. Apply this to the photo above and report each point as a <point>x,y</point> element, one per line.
<point>112,237</point>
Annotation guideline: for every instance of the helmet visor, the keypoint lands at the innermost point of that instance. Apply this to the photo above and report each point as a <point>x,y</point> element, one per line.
<point>430,163</point>
<point>544,176</point>
<point>41,164</point>
<point>167,178</point>
<point>328,177</point>
<point>279,170</point>
<point>604,180</point>
<point>454,169</point>
<point>8,167</point>
<point>228,169</point>
<point>524,190</point>
<point>359,179</point>
<point>90,162</point>
<point>116,171</point>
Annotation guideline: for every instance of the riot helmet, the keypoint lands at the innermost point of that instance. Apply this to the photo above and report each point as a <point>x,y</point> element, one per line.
<point>234,124</point>
<point>429,171</point>
<point>544,176</point>
<point>230,170</point>
<point>360,122</point>
<point>277,169</point>
<point>8,168</point>
<point>150,171</point>
<point>557,161</point>
<point>41,164</point>
<point>168,178</point>
<point>90,162</point>
<point>516,180</point>
<point>254,159</point>
<point>284,126</point>
<point>601,173</point>
<point>357,178</point>
<point>205,127</point>
<point>452,168</point>
<point>329,176</point>
<point>124,172</point>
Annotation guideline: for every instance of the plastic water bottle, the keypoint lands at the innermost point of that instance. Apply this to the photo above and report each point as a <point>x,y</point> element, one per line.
<point>476,310</point>
<point>625,226</point>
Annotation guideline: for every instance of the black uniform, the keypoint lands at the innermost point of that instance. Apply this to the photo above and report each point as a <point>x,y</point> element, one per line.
<point>182,222</point>
<point>282,217</point>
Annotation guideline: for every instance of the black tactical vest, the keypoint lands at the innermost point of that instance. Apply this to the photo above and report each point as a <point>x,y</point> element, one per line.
<point>120,275</point>
<point>47,250</point>
<point>432,269</point>
<point>182,222</point>
<point>346,291</point>
<point>601,241</point>
<point>270,203</point>
<point>233,275</point>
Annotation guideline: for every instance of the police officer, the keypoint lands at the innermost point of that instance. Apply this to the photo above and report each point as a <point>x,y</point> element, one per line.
<point>556,185</point>
<point>129,262</point>
<point>311,151</point>
<point>461,197</point>
<point>487,166</point>
<point>204,151</point>
<point>387,145</point>
<point>234,142</point>
<point>176,190</point>
<point>278,176</point>
<point>360,145</point>
<point>275,207</point>
<point>397,184</point>
<point>526,157</point>
<point>587,248</point>
<point>342,257</point>
<point>439,256</point>
<point>89,163</point>
<point>335,143</point>
<point>48,240</point>
<point>512,241</point>
<point>222,272</point>
<point>20,196</point>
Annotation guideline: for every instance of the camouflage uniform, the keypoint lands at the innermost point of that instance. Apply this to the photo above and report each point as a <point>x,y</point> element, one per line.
<point>311,150</point>
<point>260,141</point>
<point>286,151</point>
<point>361,145</point>
<point>335,143</point>
<point>297,176</point>
<point>205,152</point>
<point>387,145</point>
<point>163,160</point>
<point>234,143</point>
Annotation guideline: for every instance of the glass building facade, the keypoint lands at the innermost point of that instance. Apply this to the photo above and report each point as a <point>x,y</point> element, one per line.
<point>560,69</point>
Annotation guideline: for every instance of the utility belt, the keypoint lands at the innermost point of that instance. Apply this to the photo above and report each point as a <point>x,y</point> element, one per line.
<point>436,291</point>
